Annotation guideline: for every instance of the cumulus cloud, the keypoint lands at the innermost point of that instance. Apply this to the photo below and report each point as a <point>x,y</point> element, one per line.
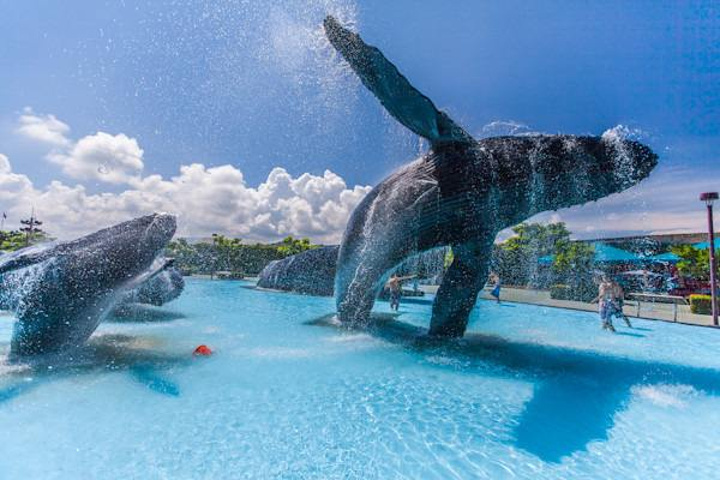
<point>110,158</point>
<point>4,164</point>
<point>13,186</point>
<point>46,129</point>
<point>206,200</point>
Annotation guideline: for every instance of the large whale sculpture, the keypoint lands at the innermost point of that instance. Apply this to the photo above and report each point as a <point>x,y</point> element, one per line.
<point>61,292</point>
<point>461,193</point>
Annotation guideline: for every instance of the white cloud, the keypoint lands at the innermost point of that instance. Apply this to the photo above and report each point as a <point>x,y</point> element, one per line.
<point>13,186</point>
<point>206,200</point>
<point>4,164</point>
<point>45,129</point>
<point>110,158</point>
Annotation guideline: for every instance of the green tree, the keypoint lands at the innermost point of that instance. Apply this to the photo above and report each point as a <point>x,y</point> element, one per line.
<point>225,253</point>
<point>573,267</point>
<point>694,262</point>
<point>293,246</point>
<point>15,240</point>
<point>517,258</point>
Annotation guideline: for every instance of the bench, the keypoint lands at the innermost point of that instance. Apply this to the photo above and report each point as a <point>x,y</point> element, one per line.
<point>658,298</point>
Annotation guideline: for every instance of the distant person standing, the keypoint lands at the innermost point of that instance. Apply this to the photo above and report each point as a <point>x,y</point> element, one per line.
<point>495,279</point>
<point>394,285</point>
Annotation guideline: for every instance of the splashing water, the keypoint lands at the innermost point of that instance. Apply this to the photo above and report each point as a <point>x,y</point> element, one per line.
<point>624,168</point>
<point>16,285</point>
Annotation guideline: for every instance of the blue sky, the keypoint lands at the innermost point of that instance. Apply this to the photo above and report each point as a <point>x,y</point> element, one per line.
<point>254,85</point>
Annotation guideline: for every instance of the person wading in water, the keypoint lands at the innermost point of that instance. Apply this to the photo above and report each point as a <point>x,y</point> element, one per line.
<point>610,302</point>
<point>394,285</point>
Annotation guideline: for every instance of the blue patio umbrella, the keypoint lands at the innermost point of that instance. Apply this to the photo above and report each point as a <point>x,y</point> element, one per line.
<point>603,254</point>
<point>706,245</point>
<point>668,257</point>
<point>608,254</point>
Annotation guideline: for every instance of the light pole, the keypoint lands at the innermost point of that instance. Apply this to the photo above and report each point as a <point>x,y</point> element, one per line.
<point>709,198</point>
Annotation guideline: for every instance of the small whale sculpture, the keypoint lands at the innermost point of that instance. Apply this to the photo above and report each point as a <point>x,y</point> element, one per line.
<point>164,287</point>
<point>61,292</point>
<point>310,273</point>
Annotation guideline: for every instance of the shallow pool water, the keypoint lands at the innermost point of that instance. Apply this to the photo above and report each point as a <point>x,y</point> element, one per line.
<point>533,393</point>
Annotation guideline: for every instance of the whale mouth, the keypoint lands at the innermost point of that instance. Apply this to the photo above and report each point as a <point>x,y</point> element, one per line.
<point>158,230</point>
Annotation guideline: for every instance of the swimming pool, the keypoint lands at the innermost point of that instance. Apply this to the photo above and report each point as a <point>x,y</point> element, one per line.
<point>542,393</point>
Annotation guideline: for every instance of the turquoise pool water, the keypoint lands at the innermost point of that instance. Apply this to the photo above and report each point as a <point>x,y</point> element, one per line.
<point>541,393</point>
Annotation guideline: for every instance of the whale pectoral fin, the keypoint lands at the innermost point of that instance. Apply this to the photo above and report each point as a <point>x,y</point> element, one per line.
<point>459,289</point>
<point>156,268</point>
<point>403,101</point>
<point>25,257</point>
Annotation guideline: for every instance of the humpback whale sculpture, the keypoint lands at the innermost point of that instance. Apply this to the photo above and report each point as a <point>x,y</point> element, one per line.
<point>61,292</point>
<point>310,273</point>
<point>461,193</point>
<point>164,287</point>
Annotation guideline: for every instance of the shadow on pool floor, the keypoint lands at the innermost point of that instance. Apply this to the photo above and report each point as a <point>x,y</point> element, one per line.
<point>577,393</point>
<point>103,353</point>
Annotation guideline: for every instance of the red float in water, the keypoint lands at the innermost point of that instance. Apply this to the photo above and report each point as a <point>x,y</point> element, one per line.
<point>203,350</point>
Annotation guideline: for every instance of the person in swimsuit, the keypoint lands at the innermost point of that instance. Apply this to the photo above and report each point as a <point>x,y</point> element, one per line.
<point>394,285</point>
<point>606,304</point>
<point>610,301</point>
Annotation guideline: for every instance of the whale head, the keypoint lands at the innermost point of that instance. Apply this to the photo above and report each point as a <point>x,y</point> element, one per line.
<point>131,247</point>
<point>116,255</point>
<point>620,164</point>
<point>550,172</point>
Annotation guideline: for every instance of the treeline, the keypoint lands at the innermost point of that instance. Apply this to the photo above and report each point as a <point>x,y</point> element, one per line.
<point>11,240</point>
<point>538,256</point>
<point>231,255</point>
<point>695,262</point>
<point>543,257</point>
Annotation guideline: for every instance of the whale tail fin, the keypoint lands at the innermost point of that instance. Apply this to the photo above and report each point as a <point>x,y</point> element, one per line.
<point>403,101</point>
